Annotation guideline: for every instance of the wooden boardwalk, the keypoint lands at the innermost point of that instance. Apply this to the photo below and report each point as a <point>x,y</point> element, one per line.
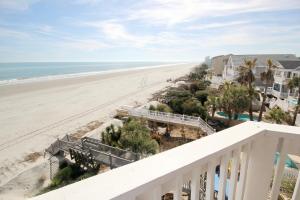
<point>90,152</point>
<point>171,118</point>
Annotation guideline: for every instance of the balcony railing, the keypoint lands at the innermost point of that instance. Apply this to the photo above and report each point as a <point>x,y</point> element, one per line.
<point>248,149</point>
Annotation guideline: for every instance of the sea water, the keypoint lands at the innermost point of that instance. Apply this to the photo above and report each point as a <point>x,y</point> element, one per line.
<point>30,71</point>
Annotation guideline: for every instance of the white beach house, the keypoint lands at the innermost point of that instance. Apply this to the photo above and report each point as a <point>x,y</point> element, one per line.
<point>286,71</point>
<point>231,68</point>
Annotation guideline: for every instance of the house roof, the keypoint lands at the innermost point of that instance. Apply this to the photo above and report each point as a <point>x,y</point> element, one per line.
<point>290,64</point>
<point>262,59</point>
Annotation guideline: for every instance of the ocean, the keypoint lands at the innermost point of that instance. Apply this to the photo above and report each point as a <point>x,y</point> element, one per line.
<point>30,71</point>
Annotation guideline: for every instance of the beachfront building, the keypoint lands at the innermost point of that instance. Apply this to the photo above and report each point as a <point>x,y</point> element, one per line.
<point>217,67</point>
<point>231,68</point>
<point>251,148</point>
<point>286,71</point>
<point>286,98</point>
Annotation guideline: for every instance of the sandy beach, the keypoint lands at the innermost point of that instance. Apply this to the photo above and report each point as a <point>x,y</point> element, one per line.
<point>34,114</point>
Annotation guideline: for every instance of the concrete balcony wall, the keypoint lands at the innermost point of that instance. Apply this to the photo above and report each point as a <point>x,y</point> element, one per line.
<point>249,147</point>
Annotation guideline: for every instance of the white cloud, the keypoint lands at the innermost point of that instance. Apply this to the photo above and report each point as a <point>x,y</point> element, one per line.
<point>89,2</point>
<point>118,34</point>
<point>217,25</point>
<point>10,33</point>
<point>171,12</point>
<point>16,4</point>
<point>87,45</point>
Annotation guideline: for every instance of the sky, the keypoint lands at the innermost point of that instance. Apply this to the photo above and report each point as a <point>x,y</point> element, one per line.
<point>145,30</point>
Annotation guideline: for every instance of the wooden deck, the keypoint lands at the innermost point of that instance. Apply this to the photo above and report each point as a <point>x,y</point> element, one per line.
<point>91,152</point>
<point>171,118</point>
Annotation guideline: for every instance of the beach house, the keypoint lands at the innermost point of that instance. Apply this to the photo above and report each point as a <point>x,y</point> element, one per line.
<point>286,98</point>
<point>231,68</point>
<point>287,70</point>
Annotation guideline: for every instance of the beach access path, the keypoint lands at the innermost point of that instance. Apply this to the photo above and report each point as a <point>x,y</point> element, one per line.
<point>33,115</point>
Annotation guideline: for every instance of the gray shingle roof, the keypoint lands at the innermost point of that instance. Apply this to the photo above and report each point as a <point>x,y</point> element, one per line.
<point>290,64</point>
<point>262,58</point>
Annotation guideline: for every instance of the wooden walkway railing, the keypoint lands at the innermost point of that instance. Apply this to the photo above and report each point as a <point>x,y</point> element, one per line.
<point>93,150</point>
<point>170,118</point>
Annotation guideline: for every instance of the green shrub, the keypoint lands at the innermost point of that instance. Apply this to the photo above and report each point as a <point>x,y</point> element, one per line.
<point>136,137</point>
<point>163,108</point>
<point>194,107</point>
<point>152,107</point>
<point>202,96</point>
<point>111,135</point>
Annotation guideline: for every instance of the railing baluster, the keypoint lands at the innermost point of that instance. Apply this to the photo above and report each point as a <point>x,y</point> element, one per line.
<point>209,195</point>
<point>223,177</point>
<point>243,172</point>
<point>279,169</point>
<point>234,173</point>
<point>195,184</point>
<point>178,189</point>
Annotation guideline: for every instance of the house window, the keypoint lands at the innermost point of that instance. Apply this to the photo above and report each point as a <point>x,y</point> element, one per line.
<point>294,74</point>
<point>276,87</point>
<point>289,75</point>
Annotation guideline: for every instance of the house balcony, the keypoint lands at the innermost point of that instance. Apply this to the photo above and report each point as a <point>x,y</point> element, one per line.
<point>244,155</point>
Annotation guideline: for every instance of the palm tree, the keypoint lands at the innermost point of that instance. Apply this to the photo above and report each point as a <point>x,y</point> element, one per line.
<point>247,78</point>
<point>240,100</point>
<point>267,77</point>
<point>234,100</point>
<point>111,136</point>
<point>225,101</point>
<point>295,83</point>
<point>276,115</point>
<point>212,103</point>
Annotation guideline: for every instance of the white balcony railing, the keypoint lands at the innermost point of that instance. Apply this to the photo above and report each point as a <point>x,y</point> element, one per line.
<point>249,148</point>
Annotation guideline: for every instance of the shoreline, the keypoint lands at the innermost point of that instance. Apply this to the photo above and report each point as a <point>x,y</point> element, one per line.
<point>16,81</point>
<point>34,114</point>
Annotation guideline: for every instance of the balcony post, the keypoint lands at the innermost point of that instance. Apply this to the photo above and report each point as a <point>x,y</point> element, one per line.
<point>260,167</point>
<point>279,169</point>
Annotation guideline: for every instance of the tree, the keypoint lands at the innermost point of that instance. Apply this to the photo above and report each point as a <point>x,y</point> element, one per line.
<point>240,100</point>
<point>198,85</point>
<point>247,78</point>
<point>194,107</point>
<point>295,83</point>
<point>212,103</point>
<point>267,77</point>
<point>225,101</point>
<point>175,99</point>
<point>201,96</point>
<point>136,137</point>
<point>111,136</point>
<point>234,100</point>
<point>276,115</point>
<point>198,73</point>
